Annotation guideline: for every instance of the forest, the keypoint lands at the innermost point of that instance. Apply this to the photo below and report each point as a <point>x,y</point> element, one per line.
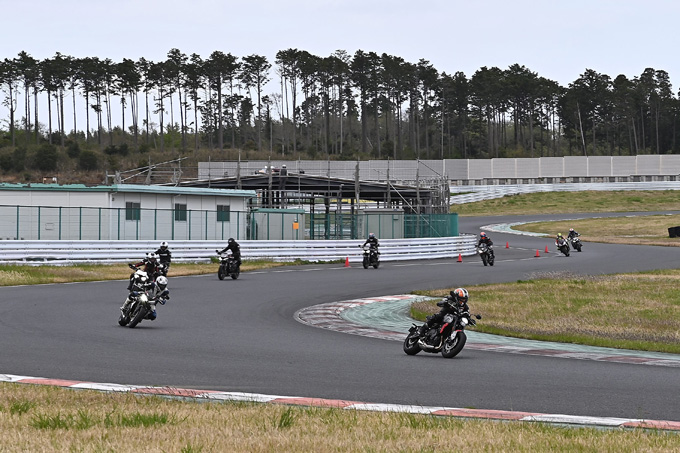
<point>92,114</point>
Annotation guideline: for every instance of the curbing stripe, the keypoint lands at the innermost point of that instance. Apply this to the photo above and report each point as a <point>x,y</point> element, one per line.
<point>488,414</point>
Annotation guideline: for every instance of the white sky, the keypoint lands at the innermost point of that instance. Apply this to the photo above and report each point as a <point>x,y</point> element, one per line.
<point>558,40</point>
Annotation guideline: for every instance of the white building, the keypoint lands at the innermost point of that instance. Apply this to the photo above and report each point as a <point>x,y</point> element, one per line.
<point>121,212</point>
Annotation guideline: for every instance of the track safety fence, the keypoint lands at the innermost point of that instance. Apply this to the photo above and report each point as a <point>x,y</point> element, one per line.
<point>110,252</point>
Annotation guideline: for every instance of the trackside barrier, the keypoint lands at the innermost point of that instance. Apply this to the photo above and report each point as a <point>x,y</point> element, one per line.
<point>72,252</point>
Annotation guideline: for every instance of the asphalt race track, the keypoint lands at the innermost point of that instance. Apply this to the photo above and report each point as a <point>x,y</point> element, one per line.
<point>241,336</point>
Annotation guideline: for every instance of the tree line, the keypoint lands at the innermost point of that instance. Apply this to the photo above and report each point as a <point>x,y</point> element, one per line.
<point>341,106</point>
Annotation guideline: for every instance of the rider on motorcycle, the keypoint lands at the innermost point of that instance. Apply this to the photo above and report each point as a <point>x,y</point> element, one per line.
<point>572,234</point>
<point>157,291</point>
<point>150,265</point>
<point>484,239</point>
<point>235,250</point>
<point>164,254</point>
<point>456,303</point>
<point>372,241</point>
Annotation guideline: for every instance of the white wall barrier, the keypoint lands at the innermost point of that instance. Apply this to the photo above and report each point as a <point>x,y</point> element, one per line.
<point>71,252</point>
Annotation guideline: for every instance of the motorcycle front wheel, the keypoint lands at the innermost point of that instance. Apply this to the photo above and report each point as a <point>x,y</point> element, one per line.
<point>220,273</point>
<point>453,346</point>
<point>138,315</point>
<point>365,263</point>
<point>411,345</point>
<point>123,320</point>
<point>484,260</point>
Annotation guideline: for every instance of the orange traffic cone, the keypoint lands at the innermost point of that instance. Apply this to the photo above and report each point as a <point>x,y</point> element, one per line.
<point>347,262</point>
<point>507,245</point>
<point>460,257</point>
<point>546,249</point>
<point>537,254</point>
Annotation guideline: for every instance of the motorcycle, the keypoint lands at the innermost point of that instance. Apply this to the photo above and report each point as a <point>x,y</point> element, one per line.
<point>228,266</point>
<point>448,338</point>
<point>576,243</point>
<point>138,305</point>
<point>486,253</point>
<point>562,246</point>
<point>371,256</point>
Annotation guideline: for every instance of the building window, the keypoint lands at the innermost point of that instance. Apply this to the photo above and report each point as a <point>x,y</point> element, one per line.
<point>223,213</point>
<point>180,212</point>
<point>132,211</point>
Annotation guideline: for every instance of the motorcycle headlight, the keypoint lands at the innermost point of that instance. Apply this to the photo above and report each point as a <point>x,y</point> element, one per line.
<point>463,322</point>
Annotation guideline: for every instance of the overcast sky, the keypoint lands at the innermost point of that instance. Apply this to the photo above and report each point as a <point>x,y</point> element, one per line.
<point>558,40</point>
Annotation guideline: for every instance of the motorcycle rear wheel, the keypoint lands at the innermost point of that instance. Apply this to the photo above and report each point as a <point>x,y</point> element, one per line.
<point>491,260</point>
<point>236,273</point>
<point>452,348</point>
<point>411,345</point>
<point>376,264</point>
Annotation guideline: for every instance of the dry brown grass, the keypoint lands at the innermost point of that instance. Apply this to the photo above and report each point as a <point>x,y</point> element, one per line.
<point>566,202</point>
<point>91,421</point>
<point>643,230</point>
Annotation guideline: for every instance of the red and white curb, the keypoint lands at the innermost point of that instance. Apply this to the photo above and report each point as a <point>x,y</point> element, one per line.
<point>211,395</point>
<point>328,316</point>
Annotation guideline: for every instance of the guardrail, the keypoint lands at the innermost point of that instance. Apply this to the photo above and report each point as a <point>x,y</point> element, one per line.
<point>472,193</point>
<point>72,252</point>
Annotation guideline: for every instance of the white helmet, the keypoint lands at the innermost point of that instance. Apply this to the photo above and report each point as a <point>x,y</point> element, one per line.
<point>164,245</point>
<point>152,256</point>
<point>162,282</point>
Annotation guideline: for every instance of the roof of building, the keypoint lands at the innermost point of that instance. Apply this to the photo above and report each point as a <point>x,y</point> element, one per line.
<point>220,192</point>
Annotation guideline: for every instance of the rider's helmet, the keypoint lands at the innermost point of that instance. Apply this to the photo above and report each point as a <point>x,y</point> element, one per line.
<point>162,282</point>
<point>152,257</point>
<point>283,166</point>
<point>482,234</point>
<point>460,295</point>
<point>571,230</point>
<point>559,235</point>
<point>164,245</point>
<point>230,241</point>
<point>371,235</point>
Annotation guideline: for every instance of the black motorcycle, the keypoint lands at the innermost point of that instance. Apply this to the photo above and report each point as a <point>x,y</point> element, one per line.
<point>138,305</point>
<point>562,246</point>
<point>371,256</point>
<point>486,253</point>
<point>576,243</point>
<point>229,266</point>
<point>448,337</point>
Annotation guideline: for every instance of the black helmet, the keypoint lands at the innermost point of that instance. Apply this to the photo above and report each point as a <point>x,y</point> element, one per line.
<point>371,235</point>
<point>230,241</point>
